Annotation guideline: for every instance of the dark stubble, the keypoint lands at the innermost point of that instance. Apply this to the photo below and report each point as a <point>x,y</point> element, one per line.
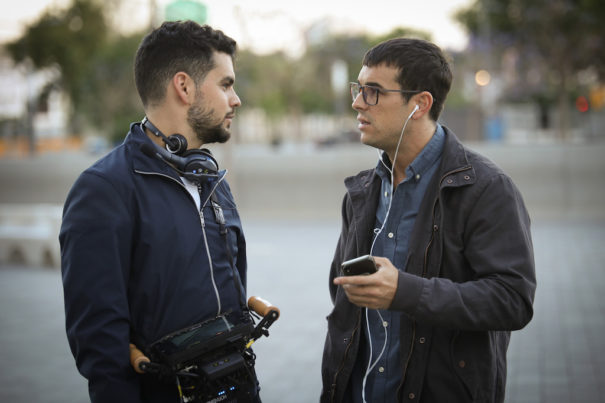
<point>201,121</point>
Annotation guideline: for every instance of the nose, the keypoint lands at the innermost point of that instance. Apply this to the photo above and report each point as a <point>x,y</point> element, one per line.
<point>358,102</point>
<point>234,101</point>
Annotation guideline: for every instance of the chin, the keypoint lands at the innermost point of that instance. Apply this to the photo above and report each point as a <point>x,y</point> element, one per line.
<point>366,139</point>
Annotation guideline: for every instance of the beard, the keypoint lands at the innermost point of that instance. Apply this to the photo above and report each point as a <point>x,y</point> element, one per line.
<point>202,121</point>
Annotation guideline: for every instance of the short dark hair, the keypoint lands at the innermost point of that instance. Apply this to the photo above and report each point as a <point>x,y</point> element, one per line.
<point>422,66</point>
<point>176,46</point>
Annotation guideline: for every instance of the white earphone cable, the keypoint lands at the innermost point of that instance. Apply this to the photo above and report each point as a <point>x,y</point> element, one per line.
<point>377,232</point>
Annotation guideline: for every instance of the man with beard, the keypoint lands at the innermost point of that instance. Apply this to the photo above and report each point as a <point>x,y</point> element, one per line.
<point>151,241</point>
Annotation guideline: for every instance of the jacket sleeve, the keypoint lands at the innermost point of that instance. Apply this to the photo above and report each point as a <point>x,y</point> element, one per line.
<point>95,243</point>
<point>340,247</point>
<point>497,256</point>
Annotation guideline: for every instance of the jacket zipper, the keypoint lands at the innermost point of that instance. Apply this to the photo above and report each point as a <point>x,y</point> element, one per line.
<point>342,363</point>
<point>170,178</point>
<point>424,272</point>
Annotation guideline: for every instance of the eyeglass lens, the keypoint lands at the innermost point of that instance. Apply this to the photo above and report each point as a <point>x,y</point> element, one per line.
<point>370,94</point>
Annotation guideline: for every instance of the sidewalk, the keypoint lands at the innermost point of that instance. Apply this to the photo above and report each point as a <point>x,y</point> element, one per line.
<point>556,358</point>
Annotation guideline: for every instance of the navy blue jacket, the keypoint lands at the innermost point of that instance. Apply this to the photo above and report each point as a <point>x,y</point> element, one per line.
<point>468,280</point>
<point>135,266</point>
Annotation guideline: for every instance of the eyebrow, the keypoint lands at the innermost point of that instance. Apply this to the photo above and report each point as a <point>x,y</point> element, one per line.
<point>229,80</point>
<point>373,84</point>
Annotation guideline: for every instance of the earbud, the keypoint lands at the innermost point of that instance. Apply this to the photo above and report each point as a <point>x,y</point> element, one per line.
<point>410,116</point>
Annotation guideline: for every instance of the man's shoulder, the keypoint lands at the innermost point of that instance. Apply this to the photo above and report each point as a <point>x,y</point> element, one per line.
<point>114,164</point>
<point>463,154</point>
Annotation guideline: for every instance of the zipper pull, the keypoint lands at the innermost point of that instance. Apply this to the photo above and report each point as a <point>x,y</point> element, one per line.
<point>202,221</point>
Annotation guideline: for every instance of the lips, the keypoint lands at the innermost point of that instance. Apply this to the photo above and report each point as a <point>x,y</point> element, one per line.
<point>362,122</point>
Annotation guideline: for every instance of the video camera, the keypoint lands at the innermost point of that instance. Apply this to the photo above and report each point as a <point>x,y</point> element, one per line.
<point>211,361</point>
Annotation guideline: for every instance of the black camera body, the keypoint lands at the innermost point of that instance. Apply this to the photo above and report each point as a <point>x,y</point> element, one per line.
<point>211,360</point>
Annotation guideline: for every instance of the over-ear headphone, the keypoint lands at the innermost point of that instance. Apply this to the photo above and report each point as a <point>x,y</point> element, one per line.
<point>195,164</point>
<point>175,143</point>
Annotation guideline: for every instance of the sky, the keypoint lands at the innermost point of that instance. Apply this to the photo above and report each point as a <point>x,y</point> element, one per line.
<point>269,25</point>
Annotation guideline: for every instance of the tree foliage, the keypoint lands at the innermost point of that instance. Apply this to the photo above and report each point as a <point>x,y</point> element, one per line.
<point>96,65</point>
<point>558,40</point>
<point>69,39</point>
<point>281,85</point>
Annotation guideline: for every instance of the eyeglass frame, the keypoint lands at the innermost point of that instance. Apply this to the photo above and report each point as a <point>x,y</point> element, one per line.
<point>378,91</point>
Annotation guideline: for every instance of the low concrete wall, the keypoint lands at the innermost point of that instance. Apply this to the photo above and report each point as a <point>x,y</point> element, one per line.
<point>29,234</point>
<point>293,182</point>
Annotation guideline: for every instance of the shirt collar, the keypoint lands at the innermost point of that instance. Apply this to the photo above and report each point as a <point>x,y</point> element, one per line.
<point>423,161</point>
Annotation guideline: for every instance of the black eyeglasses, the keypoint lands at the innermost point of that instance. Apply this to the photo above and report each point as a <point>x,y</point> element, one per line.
<point>370,93</point>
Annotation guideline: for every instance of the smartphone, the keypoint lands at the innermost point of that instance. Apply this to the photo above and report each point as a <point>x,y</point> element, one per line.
<point>358,266</point>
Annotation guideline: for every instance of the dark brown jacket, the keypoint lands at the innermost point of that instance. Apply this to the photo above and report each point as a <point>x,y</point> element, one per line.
<point>468,281</point>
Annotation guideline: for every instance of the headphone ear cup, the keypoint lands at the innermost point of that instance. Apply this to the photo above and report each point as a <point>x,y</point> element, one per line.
<point>176,144</point>
<point>200,161</point>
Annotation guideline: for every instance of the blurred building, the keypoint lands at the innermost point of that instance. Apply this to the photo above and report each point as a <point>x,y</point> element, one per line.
<point>30,104</point>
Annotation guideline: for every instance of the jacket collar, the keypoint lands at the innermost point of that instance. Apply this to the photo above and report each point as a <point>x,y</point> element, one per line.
<point>141,162</point>
<point>454,162</point>
<point>455,169</point>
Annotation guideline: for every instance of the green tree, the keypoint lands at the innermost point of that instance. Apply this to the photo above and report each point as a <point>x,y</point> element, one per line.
<point>110,100</point>
<point>68,39</point>
<point>563,37</point>
<point>95,61</point>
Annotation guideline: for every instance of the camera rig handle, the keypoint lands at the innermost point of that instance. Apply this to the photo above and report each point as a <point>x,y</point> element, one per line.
<point>269,314</point>
<point>138,360</point>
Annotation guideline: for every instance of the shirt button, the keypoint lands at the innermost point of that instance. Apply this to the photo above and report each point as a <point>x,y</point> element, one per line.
<point>412,396</point>
<point>417,176</point>
<point>462,364</point>
<point>390,235</point>
<point>386,194</point>
<point>381,369</point>
<point>385,323</point>
<point>422,340</point>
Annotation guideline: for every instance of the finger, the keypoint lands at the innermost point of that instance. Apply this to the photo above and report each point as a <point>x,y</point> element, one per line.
<point>355,280</point>
<point>382,261</point>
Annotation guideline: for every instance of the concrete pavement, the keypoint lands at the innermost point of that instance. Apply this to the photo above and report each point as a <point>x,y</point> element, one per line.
<point>290,203</point>
<point>556,358</point>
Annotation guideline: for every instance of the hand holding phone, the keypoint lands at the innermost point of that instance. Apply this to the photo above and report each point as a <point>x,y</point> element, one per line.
<point>359,266</point>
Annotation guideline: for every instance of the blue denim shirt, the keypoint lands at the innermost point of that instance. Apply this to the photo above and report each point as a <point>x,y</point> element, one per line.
<point>392,243</point>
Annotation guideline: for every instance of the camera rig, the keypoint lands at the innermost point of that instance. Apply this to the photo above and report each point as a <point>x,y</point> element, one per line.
<point>210,361</point>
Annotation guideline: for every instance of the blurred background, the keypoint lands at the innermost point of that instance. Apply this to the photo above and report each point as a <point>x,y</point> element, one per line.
<point>528,92</point>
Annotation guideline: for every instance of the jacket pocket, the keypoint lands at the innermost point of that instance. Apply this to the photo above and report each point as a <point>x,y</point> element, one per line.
<point>463,365</point>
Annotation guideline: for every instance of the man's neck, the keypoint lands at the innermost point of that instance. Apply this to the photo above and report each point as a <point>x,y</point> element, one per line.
<point>412,144</point>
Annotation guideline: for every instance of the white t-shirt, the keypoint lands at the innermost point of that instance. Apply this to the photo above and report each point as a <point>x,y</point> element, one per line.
<point>192,189</point>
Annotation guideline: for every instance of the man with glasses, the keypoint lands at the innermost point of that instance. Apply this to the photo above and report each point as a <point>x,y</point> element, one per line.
<point>449,235</point>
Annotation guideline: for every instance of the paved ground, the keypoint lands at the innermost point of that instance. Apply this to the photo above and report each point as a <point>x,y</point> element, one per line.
<point>290,206</point>
<point>557,358</point>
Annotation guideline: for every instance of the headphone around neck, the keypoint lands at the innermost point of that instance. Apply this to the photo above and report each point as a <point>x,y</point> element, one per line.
<point>195,164</point>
